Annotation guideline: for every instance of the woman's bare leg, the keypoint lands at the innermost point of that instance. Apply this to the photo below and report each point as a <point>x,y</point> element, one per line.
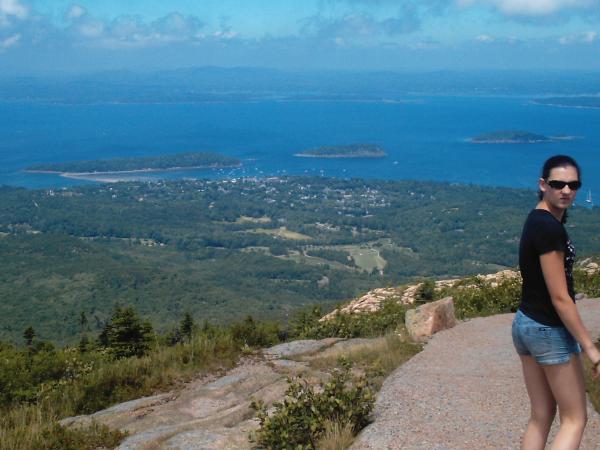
<point>568,387</point>
<point>543,405</point>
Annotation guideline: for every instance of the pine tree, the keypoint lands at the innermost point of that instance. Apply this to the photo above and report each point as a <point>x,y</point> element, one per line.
<point>28,335</point>
<point>83,321</point>
<point>126,335</point>
<point>83,344</point>
<point>187,326</point>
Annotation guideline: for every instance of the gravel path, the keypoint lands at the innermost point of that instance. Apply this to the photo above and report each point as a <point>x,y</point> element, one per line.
<point>448,397</point>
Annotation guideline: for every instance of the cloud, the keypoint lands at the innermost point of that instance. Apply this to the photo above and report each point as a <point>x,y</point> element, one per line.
<point>485,38</point>
<point>534,8</point>
<point>9,42</point>
<point>75,12</point>
<point>354,26</point>
<point>13,8</point>
<point>587,37</point>
<point>132,31</point>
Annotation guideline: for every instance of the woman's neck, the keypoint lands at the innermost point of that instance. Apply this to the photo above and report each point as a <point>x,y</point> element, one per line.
<point>558,213</point>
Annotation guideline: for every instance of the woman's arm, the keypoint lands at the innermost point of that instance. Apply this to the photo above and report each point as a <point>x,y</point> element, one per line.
<point>553,268</point>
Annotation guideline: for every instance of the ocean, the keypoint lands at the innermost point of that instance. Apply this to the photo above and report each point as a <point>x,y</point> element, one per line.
<point>426,138</point>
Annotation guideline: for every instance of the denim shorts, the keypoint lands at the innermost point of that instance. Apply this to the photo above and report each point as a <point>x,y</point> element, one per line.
<point>547,344</point>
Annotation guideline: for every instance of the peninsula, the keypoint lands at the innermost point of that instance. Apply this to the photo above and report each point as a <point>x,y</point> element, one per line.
<point>511,137</point>
<point>344,151</point>
<point>570,102</point>
<point>189,160</point>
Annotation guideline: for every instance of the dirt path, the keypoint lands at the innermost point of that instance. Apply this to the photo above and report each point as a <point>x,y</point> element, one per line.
<point>463,391</point>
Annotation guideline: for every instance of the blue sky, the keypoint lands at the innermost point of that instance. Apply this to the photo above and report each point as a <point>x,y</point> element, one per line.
<point>62,35</point>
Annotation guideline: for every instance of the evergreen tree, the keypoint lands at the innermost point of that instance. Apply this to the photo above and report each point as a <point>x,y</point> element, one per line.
<point>83,344</point>
<point>83,321</point>
<point>126,335</point>
<point>28,335</point>
<point>187,326</point>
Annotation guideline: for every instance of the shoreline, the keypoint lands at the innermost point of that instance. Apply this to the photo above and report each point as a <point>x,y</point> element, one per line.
<point>339,155</point>
<point>88,175</point>
<point>562,105</point>
<point>517,141</point>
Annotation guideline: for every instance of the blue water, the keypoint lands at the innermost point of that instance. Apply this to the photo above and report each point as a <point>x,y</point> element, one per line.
<point>425,140</point>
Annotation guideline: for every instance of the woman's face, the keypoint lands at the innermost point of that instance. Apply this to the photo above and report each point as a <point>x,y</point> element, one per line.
<point>559,198</point>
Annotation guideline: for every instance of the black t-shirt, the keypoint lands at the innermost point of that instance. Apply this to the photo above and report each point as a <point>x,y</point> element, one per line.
<point>542,233</point>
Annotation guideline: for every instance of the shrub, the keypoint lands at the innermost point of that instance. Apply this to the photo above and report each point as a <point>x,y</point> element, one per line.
<point>254,333</point>
<point>58,437</point>
<point>388,317</point>
<point>587,283</point>
<point>481,298</point>
<point>301,419</point>
<point>426,291</point>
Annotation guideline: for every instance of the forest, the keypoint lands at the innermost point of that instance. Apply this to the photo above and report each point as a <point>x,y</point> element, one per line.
<point>162,162</point>
<point>228,248</point>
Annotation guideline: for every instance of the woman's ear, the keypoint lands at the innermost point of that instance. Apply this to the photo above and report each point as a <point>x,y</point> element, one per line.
<point>542,185</point>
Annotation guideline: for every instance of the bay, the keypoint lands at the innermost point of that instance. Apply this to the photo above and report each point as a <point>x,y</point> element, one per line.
<point>425,137</point>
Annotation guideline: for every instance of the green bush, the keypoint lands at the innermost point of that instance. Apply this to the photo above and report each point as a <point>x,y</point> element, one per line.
<point>58,437</point>
<point>377,323</point>
<point>587,283</point>
<point>480,298</point>
<point>426,291</point>
<point>300,420</point>
<point>254,333</point>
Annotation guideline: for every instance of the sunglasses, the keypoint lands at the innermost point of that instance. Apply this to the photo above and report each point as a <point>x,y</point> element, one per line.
<point>558,185</point>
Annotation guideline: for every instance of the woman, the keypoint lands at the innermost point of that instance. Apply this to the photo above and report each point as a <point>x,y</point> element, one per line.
<point>547,331</point>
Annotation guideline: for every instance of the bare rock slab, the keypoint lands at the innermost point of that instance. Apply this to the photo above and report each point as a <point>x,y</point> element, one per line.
<point>427,319</point>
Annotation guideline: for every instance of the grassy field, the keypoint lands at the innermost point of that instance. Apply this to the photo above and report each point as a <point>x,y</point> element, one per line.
<point>282,232</point>
<point>248,219</point>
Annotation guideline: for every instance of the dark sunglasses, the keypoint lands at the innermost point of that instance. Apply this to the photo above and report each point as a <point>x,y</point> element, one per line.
<point>557,184</point>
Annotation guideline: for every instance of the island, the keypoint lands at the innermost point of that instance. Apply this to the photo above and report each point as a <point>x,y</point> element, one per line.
<point>513,137</point>
<point>177,161</point>
<point>570,102</point>
<point>344,151</point>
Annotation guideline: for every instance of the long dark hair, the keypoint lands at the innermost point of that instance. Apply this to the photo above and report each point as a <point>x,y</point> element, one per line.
<point>558,161</point>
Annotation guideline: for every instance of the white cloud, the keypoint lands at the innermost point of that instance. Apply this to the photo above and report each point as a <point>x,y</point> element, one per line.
<point>91,29</point>
<point>224,34</point>
<point>486,38</point>
<point>533,7</point>
<point>9,42</point>
<point>590,36</point>
<point>75,12</point>
<point>130,31</point>
<point>587,37</point>
<point>13,8</point>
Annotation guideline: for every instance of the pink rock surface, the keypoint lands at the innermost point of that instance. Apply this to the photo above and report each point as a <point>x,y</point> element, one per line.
<point>427,319</point>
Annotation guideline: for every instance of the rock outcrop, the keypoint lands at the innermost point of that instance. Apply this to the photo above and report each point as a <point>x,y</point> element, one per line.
<point>427,319</point>
<point>406,295</point>
<point>214,413</point>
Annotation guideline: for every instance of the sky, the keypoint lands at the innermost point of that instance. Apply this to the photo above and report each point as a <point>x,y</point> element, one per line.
<point>44,36</point>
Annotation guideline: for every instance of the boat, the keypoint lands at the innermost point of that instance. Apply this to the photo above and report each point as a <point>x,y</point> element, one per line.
<point>588,199</point>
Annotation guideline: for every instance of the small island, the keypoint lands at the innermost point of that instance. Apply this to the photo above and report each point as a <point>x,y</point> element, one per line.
<point>178,161</point>
<point>345,151</point>
<point>511,137</point>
